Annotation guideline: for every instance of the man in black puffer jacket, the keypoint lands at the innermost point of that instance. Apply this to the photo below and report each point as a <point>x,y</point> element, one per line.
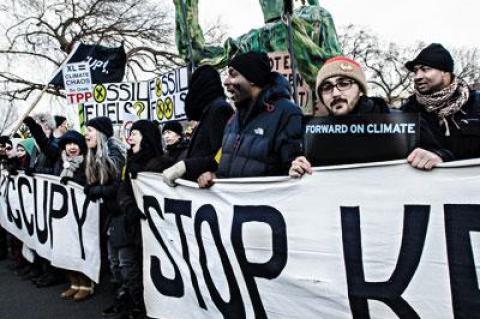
<point>265,134</point>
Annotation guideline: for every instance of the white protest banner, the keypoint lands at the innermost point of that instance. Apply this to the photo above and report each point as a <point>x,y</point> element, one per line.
<point>379,241</point>
<point>168,99</point>
<point>53,219</point>
<point>280,62</point>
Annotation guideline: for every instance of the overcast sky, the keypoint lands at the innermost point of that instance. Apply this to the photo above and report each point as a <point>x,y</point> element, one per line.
<point>453,23</point>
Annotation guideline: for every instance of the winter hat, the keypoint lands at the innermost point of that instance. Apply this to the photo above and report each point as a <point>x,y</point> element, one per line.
<point>205,86</point>
<point>173,126</point>
<point>151,138</point>
<point>434,56</point>
<point>5,140</point>
<point>28,144</point>
<point>102,124</point>
<point>254,66</point>
<point>73,137</point>
<point>342,66</point>
<point>59,120</point>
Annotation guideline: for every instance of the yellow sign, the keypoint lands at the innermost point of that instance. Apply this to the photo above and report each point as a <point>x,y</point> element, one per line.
<point>100,93</point>
<point>158,87</point>
<point>168,108</point>
<point>139,107</point>
<point>159,109</point>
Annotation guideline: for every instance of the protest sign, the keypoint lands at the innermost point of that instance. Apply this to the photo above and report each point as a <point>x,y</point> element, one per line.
<point>161,99</point>
<point>121,102</point>
<point>280,62</point>
<point>360,138</point>
<point>168,99</point>
<point>54,220</point>
<point>77,80</point>
<point>107,65</point>
<point>345,242</point>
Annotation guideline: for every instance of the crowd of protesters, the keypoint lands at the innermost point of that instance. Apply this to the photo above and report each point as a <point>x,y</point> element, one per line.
<point>260,136</point>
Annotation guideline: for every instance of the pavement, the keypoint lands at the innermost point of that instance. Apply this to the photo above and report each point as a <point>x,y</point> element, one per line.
<point>20,299</point>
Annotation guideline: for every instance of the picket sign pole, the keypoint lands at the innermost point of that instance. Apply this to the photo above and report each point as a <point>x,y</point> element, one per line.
<point>288,14</point>
<point>32,106</point>
<point>45,88</point>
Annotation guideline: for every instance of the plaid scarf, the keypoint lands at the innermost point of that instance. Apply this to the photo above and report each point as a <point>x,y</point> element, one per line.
<point>446,102</point>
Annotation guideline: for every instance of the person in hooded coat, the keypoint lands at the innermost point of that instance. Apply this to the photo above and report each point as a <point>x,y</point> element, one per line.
<point>25,151</point>
<point>176,145</point>
<point>206,103</point>
<point>144,146</point>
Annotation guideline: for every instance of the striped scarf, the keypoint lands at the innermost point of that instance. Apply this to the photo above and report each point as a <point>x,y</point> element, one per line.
<point>446,102</point>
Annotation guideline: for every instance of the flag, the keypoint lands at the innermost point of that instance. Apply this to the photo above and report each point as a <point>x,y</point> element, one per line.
<point>107,65</point>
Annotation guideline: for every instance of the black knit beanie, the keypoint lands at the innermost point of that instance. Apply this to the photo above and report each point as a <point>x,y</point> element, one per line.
<point>73,137</point>
<point>59,120</point>
<point>254,66</point>
<point>102,124</point>
<point>151,139</point>
<point>173,126</point>
<point>5,140</point>
<point>205,86</point>
<point>434,56</point>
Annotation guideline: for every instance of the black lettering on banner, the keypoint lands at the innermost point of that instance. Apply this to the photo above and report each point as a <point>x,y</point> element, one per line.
<point>233,308</point>
<point>168,287</point>
<point>57,213</point>
<point>80,219</point>
<point>390,292</point>
<point>460,221</point>
<point>271,269</point>
<point>3,184</point>
<point>184,208</point>
<point>11,218</point>
<point>42,235</point>
<point>22,181</point>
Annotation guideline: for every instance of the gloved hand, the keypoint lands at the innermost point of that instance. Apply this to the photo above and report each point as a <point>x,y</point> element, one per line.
<point>65,179</point>
<point>95,192</point>
<point>174,172</point>
<point>29,171</point>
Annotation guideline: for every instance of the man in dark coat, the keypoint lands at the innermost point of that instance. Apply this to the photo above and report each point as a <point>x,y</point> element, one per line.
<point>206,104</point>
<point>265,134</point>
<point>449,109</point>
<point>342,88</point>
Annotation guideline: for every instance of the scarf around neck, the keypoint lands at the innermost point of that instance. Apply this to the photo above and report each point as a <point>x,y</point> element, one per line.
<point>446,102</point>
<point>70,164</point>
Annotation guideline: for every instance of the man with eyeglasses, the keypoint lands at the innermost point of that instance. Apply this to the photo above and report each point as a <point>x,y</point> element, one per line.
<point>449,110</point>
<point>342,89</point>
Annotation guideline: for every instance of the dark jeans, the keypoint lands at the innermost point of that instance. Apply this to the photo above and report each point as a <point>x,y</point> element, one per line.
<point>125,265</point>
